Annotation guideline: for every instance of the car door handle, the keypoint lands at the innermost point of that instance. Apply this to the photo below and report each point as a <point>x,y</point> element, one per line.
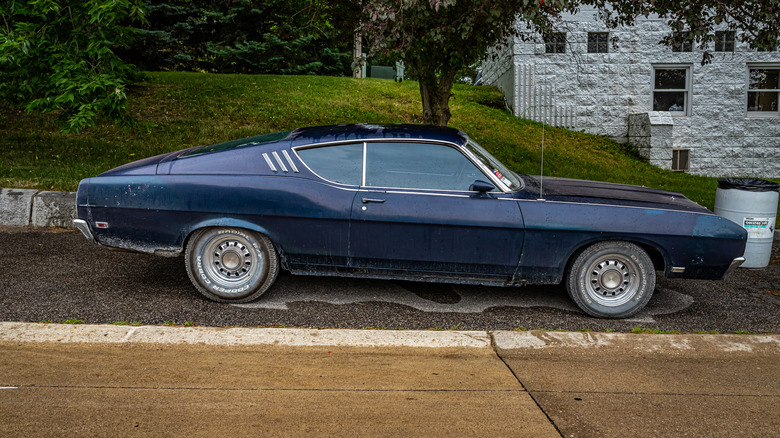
<point>378,201</point>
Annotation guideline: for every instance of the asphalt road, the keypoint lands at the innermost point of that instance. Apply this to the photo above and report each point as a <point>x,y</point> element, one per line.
<point>56,275</point>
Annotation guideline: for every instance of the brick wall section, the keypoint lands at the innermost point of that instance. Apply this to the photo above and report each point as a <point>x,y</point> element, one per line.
<point>601,90</point>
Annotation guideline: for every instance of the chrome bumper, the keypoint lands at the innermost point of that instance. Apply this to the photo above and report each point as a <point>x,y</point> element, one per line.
<point>737,262</point>
<point>83,226</point>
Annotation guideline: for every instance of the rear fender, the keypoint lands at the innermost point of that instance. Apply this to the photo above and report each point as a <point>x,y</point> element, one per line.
<point>235,223</point>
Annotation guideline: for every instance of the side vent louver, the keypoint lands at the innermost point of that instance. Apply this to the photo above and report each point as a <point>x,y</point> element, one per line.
<point>289,160</point>
<point>280,162</point>
<point>270,164</point>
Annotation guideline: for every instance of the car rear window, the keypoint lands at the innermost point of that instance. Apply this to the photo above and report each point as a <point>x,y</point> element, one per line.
<point>339,163</point>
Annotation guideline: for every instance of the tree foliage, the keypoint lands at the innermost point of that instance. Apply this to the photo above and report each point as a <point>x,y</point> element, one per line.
<point>58,55</point>
<point>244,36</point>
<point>437,38</point>
<point>757,22</point>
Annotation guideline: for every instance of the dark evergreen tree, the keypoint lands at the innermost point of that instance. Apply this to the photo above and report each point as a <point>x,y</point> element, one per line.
<point>243,36</point>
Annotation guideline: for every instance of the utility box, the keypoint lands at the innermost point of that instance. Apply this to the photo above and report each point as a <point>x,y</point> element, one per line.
<point>382,72</point>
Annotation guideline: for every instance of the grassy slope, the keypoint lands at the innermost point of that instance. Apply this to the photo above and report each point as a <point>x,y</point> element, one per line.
<point>177,110</point>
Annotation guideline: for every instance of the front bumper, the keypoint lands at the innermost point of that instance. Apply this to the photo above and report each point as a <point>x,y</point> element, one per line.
<point>737,262</point>
<point>83,226</point>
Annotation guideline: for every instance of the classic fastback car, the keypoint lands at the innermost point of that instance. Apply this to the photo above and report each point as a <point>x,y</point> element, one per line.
<point>399,201</point>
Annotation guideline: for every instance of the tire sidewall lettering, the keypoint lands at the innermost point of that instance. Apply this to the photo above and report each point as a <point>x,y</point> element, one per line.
<point>201,271</point>
<point>209,283</point>
<point>581,288</point>
<point>640,263</point>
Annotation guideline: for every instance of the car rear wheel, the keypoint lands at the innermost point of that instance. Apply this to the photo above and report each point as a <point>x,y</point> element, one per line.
<point>231,265</point>
<point>611,279</point>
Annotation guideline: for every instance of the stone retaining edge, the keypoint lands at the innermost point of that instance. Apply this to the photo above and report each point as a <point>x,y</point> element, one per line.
<point>37,208</point>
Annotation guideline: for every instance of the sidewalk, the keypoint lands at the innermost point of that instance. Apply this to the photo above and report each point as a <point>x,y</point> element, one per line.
<point>95,380</point>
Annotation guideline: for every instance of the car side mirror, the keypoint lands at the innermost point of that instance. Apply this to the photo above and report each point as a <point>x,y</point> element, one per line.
<point>481,187</point>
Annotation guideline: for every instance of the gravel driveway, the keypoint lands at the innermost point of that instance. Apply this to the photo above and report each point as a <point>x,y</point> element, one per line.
<point>56,275</point>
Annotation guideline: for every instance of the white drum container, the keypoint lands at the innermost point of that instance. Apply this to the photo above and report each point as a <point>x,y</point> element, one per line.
<point>752,204</point>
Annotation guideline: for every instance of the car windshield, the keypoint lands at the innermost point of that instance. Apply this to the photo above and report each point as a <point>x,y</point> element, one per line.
<point>510,179</point>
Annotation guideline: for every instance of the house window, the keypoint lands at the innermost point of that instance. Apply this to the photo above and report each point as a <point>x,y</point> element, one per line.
<point>598,42</point>
<point>671,90</point>
<point>681,160</point>
<point>685,46</point>
<point>763,91</point>
<point>724,41</point>
<point>555,42</point>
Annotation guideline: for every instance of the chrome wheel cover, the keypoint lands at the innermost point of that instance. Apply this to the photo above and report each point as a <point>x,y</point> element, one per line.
<point>612,280</point>
<point>230,261</point>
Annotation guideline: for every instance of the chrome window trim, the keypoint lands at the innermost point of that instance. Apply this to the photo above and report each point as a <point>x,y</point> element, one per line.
<point>410,192</point>
<point>460,148</point>
<point>496,181</point>
<point>363,165</point>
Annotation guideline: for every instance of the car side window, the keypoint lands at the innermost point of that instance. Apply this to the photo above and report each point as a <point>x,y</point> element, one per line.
<point>419,166</point>
<point>339,163</point>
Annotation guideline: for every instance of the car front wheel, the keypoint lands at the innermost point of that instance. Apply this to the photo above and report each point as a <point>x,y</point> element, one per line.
<point>611,279</point>
<point>231,264</point>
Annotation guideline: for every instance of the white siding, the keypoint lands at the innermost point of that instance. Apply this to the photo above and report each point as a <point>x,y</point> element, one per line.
<point>596,92</point>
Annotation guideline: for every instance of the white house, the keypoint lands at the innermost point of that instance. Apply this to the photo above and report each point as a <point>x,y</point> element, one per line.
<point>720,119</point>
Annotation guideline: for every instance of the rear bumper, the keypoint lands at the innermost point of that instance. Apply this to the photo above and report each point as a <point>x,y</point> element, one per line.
<point>737,262</point>
<point>83,226</point>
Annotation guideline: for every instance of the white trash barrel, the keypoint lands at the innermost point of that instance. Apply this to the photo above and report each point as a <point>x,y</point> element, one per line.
<point>752,204</point>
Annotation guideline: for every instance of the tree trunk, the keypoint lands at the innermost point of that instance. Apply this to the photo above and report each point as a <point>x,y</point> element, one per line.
<point>435,96</point>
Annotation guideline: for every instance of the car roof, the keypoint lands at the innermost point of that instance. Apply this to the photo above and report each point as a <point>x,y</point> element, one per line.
<point>370,131</point>
<point>334,133</point>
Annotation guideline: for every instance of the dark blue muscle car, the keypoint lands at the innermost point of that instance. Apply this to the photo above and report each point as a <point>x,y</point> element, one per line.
<point>399,201</point>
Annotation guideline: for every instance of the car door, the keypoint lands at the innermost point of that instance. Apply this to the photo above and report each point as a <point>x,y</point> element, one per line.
<point>317,225</point>
<point>414,212</point>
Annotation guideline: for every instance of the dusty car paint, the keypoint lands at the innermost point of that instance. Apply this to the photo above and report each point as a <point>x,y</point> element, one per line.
<point>510,236</point>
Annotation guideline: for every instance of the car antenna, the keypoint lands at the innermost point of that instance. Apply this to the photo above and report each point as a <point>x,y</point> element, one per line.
<point>541,173</point>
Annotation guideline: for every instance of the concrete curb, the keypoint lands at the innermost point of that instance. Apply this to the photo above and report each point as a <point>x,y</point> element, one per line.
<point>504,340</point>
<point>25,207</point>
<point>650,342</point>
<point>112,334</point>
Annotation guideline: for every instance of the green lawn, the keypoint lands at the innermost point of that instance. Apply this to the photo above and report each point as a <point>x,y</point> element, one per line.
<point>177,110</point>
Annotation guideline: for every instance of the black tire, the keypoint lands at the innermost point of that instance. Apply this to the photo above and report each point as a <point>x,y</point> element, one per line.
<point>231,265</point>
<point>611,279</point>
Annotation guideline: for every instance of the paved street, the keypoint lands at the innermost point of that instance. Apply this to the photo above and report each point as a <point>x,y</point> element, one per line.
<point>55,275</point>
<point>92,380</point>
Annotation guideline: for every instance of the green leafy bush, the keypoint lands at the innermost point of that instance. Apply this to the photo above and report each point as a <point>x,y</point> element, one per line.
<point>58,56</point>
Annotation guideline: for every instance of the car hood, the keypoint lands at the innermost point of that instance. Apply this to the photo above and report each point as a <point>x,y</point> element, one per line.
<point>594,191</point>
